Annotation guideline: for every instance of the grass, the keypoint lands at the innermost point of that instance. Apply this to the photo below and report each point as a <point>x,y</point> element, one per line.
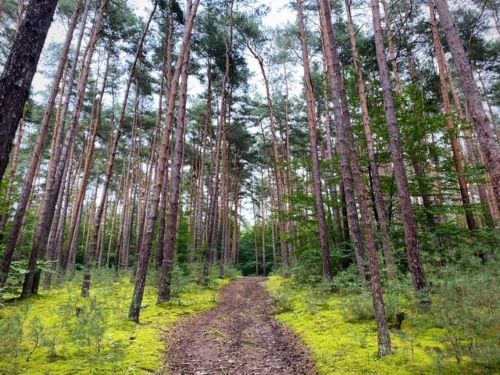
<point>342,336</point>
<point>59,332</point>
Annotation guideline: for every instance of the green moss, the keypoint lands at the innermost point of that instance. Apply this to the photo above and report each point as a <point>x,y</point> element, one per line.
<point>341,346</point>
<point>83,336</point>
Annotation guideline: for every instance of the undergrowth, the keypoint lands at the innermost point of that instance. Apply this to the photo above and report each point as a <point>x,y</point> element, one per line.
<point>457,335</point>
<point>59,332</point>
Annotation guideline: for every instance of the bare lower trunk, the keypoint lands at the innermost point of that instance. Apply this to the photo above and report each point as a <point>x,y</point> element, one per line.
<point>346,148</point>
<point>280,175</point>
<point>145,253</point>
<point>367,127</point>
<point>54,183</point>
<point>12,177</point>
<point>42,136</point>
<point>311,119</point>
<point>164,286</point>
<point>90,259</point>
<point>409,223</point>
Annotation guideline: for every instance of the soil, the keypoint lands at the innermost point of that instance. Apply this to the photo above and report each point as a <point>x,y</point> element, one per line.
<point>239,337</point>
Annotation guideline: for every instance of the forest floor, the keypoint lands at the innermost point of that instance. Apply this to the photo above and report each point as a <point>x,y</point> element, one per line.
<point>240,337</point>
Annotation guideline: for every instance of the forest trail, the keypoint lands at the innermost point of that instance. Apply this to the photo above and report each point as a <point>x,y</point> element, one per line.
<point>239,337</point>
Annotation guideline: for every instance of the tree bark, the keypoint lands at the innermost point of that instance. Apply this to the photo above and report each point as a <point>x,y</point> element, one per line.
<point>483,126</point>
<point>42,136</point>
<point>145,253</point>
<point>89,159</point>
<point>311,119</point>
<point>12,177</point>
<point>343,128</point>
<point>90,258</point>
<point>164,287</point>
<point>15,81</point>
<point>391,49</point>
<point>54,183</point>
<point>280,174</point>
<point>372,157</point>
<point>455,144</point>
<point>409,222</point>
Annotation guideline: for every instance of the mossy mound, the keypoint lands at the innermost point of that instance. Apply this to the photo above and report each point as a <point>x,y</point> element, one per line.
<point>341,344</point>
<point>59,332</point>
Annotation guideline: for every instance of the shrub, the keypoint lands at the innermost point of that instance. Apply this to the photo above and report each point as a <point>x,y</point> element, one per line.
<point>282,302</point>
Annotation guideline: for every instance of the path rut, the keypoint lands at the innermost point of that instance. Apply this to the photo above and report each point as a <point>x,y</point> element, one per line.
<point>239,337</point>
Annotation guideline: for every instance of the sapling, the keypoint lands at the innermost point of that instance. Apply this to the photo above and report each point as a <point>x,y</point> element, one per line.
<point>36,332</point>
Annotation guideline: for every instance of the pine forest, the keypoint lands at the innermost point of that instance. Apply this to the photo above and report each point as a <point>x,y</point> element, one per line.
<point>249,187</point>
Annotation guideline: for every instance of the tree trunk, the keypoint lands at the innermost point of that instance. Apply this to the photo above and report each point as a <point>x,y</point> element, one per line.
<point>111,162</point>
<point>89,159</point>
<point>484,129</point>
<point>349,200</point>
<point>164,287</point>
<point>409,223</point>
<point>280,174</point>
<point>343,127</point>
<point>12,177</point>
<point>54,183</point>
<point>213,214</point>
<point>311,119</point>
<point>145,253</point>
<point>38,149</point>
<point>372,157</point>
<point>455,144</point>
<point>391,49</point>
<point>15,81</point>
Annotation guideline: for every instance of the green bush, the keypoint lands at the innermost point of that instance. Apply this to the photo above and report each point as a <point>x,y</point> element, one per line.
<point>282,302</point>
<point>466,305</point>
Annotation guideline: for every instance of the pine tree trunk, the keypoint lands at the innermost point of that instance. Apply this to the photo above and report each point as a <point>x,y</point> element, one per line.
<point>58,243</point>
<point>409,222</point>
<point>483,126</point>
<point>311,119</point>
<point>343,128</point>
<point>351,226</point>
<point>89,159</point>
<point>15,81</point>
<point>256,240</point>
<point>455,144</point>
<point>90,258</point>
<point>145,253</point>
<point>55,180</point>
<point>372,157</point>
<point>12,177</point>
<point>164,286</point>
<point>213,214</point>
<point>280,174</point>
<point>42,136</point>
<point>391,49</point>
<point>51,250</point>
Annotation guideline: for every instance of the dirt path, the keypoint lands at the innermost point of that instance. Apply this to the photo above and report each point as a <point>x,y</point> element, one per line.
<point>239,337</point>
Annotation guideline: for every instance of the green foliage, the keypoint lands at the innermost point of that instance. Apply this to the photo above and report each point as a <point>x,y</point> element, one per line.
<point>359,307</point>
<point>11,331</point>
<point>467,308</point>
<point>61,332</point>
<point>457,335</point>
<point>19,269</point>
<point>282,302</point>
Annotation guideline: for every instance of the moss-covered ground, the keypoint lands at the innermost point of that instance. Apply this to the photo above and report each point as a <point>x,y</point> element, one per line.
<point>59,332</point>
<point>343,341</point>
